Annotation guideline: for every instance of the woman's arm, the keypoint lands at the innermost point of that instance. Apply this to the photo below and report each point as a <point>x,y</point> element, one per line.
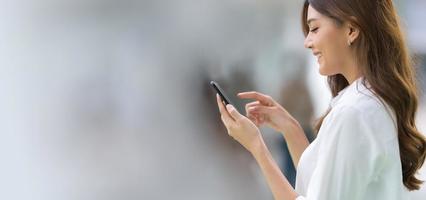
<point>247,134</point>
<point>280,187</point>
<point>296,141</point>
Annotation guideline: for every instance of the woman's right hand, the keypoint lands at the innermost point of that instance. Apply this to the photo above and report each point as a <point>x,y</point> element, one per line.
<point>266,111</point>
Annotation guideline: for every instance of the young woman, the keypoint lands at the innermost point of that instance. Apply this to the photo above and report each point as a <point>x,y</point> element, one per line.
<point>368,146</point>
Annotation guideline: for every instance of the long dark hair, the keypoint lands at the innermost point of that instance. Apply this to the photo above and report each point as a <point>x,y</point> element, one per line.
<point>389,70</point>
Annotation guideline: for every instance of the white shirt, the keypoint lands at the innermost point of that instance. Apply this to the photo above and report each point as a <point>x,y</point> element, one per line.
<point>356,153</point>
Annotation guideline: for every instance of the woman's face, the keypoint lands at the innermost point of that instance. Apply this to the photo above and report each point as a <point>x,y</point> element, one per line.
<point>328,42</point>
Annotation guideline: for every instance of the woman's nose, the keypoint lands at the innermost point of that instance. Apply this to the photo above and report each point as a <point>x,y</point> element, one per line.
<point>308,42</point>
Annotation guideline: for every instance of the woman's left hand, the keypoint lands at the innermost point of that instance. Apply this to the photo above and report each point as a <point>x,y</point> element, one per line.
<point>239,127</point>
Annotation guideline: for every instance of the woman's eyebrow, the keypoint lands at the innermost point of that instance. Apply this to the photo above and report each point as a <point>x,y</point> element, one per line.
<point>311,20</point>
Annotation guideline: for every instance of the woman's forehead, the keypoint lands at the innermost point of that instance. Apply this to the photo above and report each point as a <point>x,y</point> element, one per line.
<point>312,15</point>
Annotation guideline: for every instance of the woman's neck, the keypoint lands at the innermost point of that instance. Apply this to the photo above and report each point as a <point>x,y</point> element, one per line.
<point>353,71</point>
<point>352,77</point>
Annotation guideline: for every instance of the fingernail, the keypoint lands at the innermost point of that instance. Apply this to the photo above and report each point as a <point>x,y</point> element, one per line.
<point>229,107</point>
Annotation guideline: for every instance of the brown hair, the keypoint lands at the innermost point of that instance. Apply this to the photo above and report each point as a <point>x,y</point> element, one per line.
<point>388,69</point>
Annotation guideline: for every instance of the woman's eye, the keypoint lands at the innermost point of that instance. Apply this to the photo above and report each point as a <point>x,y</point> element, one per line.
<point>313,30</point>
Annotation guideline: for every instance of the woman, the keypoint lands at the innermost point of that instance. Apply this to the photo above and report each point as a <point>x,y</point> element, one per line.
<point>368,146</point>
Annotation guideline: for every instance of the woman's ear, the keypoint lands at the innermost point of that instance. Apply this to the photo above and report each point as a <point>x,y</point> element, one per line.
<point>352,33</point>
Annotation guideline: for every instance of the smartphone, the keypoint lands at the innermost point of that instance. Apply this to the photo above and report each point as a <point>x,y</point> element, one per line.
<point>221,93</point>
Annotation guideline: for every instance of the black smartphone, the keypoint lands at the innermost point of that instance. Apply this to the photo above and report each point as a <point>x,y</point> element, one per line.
<point>221,93</point>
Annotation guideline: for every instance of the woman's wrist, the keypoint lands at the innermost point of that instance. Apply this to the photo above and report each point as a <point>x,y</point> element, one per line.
<point>291,127</point>
<point>258,147</point>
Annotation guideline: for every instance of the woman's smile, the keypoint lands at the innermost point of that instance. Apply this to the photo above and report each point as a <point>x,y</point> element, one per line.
<point>318,55</point>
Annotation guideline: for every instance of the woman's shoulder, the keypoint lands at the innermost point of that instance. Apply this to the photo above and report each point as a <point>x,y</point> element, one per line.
<point>366,115</point>
<point>363,101</point>
<point>361,98</point>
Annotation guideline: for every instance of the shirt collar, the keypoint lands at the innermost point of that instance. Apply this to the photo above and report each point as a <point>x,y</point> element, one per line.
<point>357,85</point>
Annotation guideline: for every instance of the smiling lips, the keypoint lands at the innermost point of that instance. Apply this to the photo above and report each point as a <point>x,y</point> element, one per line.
<point>318,55</point>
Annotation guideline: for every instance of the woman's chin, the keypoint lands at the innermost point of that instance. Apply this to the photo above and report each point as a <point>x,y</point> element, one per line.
<point>322,71</point>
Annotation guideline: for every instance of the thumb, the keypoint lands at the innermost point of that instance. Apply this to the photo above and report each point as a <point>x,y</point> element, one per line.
<point>233,112</point>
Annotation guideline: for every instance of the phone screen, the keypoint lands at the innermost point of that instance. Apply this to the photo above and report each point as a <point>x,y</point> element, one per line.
<point>220,91</point>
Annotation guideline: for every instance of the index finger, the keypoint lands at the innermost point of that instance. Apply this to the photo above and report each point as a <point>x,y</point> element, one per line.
<point>263,99</point>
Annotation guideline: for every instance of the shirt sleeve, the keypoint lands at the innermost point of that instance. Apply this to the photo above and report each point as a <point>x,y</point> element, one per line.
<point>347,158</point>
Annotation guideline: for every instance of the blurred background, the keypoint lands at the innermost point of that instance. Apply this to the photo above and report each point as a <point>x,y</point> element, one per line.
<point>110,99</point>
